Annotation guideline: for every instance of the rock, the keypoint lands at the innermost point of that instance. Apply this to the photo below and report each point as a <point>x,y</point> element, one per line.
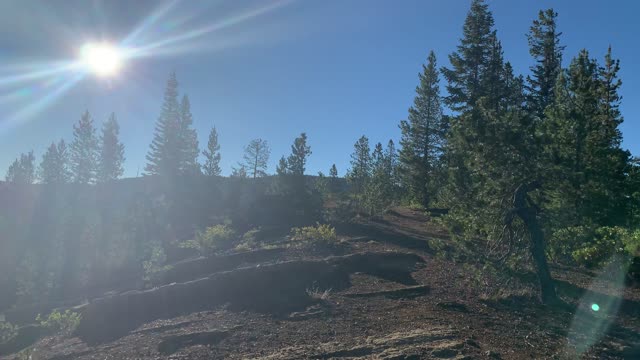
<point>192,269</point>
<point>171,344</point>
<point>276,288</point>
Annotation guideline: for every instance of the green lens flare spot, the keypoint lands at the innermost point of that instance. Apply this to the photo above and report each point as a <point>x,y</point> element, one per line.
<point>595,307</point>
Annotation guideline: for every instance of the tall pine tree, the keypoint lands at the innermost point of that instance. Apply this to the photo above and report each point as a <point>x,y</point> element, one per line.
<point>54,167</point>
<point>300,151</point>
<point>212,156</point>
<point>84,151</point>
<point>545,48</point>
<point>361,164</point>
<point>188,139</point>
<point>165,153</point>
<point>111,161</point>
<point>423,138</point>
<point>22,170</point>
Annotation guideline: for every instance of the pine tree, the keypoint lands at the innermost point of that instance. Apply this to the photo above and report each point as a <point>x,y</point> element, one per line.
<point>583,144</point>
<point>361,164</point>
<point>470,61</point>
<point>392,163</point>
<point>239,172</point>
<point>256,157</point>
<point>111,161</point>
<point>423,138</point>
<point>333,178</point>
<point>282,167</point>
<point>84,151</point>
<point>467,84</point>
<point>165,154</point>
<point>212,155</point>
<point>381,188</point>
<point>22,170</point>
<point>545,48</point>
<point>53,168</point>
<point>333,172</point>
<point>491,153</point>
<point>188,140</point>
<point>300,151</point>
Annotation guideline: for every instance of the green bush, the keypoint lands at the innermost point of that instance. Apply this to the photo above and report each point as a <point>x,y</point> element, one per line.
<point>7,331</point>
<point>213,238</point>
<point>249,240</point>
<point>564,242</point>
<point>64,323</point>
<point>321,234</point>
<point>155,264</point>
<point>606,243</point>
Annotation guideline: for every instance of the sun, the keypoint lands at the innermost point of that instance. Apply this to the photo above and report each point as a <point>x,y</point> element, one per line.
<point>102,59</point>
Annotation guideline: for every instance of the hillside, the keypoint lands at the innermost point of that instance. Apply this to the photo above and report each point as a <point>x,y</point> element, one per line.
<point>389,289</point>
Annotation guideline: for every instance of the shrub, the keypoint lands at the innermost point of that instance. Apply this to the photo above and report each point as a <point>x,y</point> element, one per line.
<point>321,234</point>
<point>7,331</point>
<point>155,264</point>
<point>318,294</point>
<point>564,242</point>
<point>607,243</point>
<point>249,240</point>
<point>65,323</point>
<point>213,238</point>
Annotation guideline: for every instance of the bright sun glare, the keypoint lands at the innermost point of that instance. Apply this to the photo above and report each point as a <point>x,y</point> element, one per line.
<point>101,58</point>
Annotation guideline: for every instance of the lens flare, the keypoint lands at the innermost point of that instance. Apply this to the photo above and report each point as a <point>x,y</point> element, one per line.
<point>101,58</point>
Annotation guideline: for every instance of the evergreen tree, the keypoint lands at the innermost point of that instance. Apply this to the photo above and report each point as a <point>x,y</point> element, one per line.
<point>300,151</point>
<point>333,172</point>
<point>361,164</point>
<point>84,151</point>
<point>53,168</point>
<point>165,153</point>
<point>583,144</point>
<point>282,167</point>
<point>392,160</point>
<point>111,161</point>
<point>333,178</point>
<point>545,48</point>
<point>470,61</point>
<point>423,138</point>
<point>256,157</point>
<point>212,155</point>
<point>467,84</point>
<point>494,179</point>
<point>22,170</point>
<point>188,140</point>
<point>239,172</point>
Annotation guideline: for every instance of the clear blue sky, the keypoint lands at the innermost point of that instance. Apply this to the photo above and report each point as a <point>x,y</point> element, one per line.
<point>335,69</point>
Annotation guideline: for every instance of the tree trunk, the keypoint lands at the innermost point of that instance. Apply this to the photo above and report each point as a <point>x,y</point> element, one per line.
<point>528,215</point>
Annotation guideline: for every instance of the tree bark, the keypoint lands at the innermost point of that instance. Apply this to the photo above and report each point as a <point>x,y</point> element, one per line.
<point>528,215</point>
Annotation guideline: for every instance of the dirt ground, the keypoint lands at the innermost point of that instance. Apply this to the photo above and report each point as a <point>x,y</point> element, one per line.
<point>442,316</point>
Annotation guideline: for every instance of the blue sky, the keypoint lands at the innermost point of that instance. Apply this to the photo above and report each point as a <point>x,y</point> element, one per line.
<point>336,69</point>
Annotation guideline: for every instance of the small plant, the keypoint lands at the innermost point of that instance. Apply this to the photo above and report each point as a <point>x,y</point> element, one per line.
<point>316,293</point>
<point>7,331</point>
<point>213,238</point>
<point>321,234</point>
<point>155,265</point>
<point>249,240</point>
<point>58,322</point>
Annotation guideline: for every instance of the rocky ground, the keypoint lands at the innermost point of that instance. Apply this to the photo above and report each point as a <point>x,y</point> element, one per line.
<point>397,298</point>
